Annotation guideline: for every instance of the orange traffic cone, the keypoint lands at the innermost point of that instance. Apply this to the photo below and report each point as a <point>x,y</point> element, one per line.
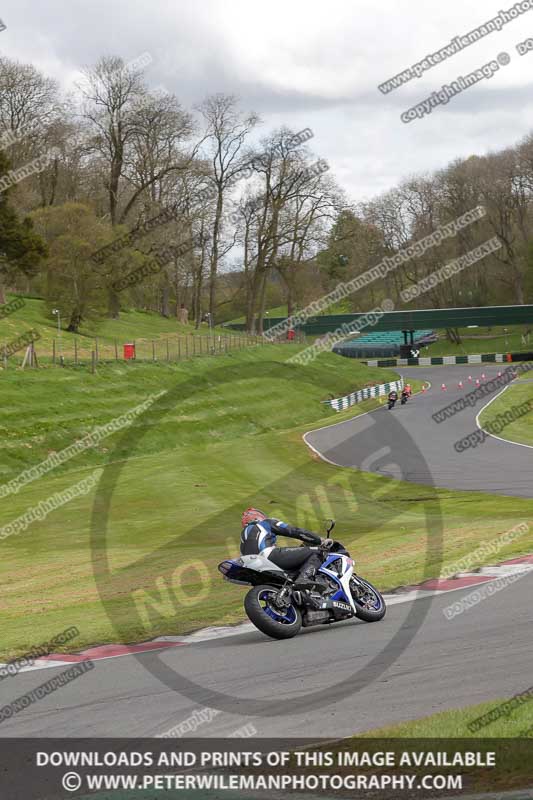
<point>482,376</point>
<point>443,387</point>
<point>470,378</point>
<point>477,381</point>
<point>460,385</point>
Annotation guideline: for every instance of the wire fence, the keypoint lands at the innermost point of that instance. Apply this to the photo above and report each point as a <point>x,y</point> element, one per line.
<point>85,351</point>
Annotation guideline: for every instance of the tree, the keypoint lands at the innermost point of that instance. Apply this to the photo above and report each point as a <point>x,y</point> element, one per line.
<point>113,93</point>
<point>160,128</point>
<point>73,282</point>
<point>282,216</point>
<point>354,246</point>
<point>34,118</point>
<point>226,133</point>
<point>508,208</point>
<point>305,222</point>
<point>21,249</point>
<point>29,105</point>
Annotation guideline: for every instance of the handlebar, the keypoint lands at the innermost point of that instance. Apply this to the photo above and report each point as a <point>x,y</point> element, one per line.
<point>336,547</point>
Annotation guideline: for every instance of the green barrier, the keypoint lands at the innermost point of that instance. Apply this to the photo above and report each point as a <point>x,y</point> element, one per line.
<point>433,318</point>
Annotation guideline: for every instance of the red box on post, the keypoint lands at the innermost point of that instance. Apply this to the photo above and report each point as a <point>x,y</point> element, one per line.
<point>129,351</point>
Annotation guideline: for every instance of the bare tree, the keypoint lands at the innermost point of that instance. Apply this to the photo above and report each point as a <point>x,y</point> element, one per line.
<point>29,105</point>
<point>506,205</point>
<point>288,201</point>
<point>226,132</point>
<point>306,221</point>
<point>113,94</point>
<point>160,129</point>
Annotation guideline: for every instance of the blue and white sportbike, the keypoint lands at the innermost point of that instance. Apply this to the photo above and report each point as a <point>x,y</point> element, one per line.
<point>279,609</point>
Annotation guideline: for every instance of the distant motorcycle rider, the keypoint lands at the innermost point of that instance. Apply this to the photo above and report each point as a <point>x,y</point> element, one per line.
<point>259,535</point>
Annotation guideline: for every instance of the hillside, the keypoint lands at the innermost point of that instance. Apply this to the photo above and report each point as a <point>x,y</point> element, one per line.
<point>141,327</point>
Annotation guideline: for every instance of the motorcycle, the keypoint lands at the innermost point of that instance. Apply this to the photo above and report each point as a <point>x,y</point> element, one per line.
<point>279,610</point>
<point>392,401</point>
<point>404,398</point>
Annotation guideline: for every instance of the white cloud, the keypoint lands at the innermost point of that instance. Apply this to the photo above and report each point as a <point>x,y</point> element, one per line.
<point>304,63</point>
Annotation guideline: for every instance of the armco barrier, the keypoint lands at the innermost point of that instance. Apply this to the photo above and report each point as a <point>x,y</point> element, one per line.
<point>342,403</point>
<point>451,360</point>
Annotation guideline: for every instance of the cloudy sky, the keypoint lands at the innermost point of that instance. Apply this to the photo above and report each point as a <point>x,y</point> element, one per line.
<point>304,63</point>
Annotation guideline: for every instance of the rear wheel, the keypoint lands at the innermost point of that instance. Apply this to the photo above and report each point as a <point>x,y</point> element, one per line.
<point>368,601</point>
<point>277,622</point>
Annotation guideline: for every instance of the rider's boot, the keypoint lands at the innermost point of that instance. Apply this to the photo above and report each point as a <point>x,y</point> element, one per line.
<point>306,577</point>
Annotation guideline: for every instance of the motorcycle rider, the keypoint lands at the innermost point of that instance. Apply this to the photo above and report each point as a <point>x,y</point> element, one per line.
<point>259,534</point>
<point>407,389</point>
<point>393,396</point>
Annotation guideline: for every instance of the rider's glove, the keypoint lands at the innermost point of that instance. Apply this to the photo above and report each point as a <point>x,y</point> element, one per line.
<point>326,543</point>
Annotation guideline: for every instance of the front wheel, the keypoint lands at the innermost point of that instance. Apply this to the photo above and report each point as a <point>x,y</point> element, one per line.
<point>279,623</point>
<point>368,601</point>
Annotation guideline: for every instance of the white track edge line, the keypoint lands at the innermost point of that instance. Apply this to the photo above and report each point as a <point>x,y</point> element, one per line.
<point>500,438</point>
<point>391,599</point>
<point>343,422</point>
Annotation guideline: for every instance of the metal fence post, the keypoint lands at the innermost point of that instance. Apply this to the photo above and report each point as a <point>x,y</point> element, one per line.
<point>53,351</point>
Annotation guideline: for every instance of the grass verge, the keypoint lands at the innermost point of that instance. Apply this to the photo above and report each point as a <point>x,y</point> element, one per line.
<point>454,724</point>
<point>520,430</point>
<point>147,329</point>
<point>227,435</point>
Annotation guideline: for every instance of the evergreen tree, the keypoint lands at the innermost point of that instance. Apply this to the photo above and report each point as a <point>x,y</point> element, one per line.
<point>21,249</point>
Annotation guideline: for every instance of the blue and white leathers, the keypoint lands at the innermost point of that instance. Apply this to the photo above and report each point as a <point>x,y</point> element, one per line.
<point>260,533</point>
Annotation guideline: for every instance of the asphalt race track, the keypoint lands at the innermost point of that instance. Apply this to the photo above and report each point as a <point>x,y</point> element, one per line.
<point>495,466</point>
<point>441,669</point>
<point>482,654</point>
